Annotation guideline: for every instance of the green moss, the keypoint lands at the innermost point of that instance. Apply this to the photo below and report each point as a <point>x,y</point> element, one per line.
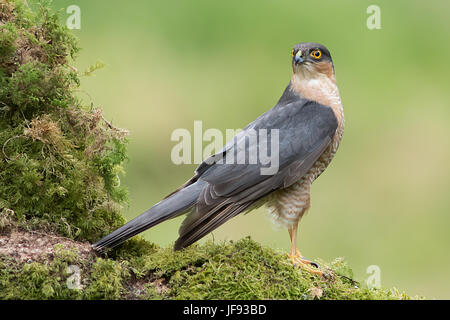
<point>60,159</point>
<point>240,270</point>
<point>246,270</point>
<point>106,279</point>
<point>99,279</point>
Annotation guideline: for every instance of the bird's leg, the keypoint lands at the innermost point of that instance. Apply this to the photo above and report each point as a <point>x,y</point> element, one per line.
<point>296,255</point>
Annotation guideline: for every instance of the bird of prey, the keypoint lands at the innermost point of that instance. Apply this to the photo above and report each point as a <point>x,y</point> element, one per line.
<point>309,118</point>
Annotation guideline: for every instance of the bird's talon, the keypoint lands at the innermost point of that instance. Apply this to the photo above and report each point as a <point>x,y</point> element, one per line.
<point>303,263</point>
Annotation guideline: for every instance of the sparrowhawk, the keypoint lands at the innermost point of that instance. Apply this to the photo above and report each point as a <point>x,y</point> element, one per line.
<point>310,121</point>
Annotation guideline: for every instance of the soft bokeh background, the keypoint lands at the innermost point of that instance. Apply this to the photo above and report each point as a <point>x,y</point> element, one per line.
<point>385,198</point>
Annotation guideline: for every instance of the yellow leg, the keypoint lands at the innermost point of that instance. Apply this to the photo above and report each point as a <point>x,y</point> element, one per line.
<point>296,255</point>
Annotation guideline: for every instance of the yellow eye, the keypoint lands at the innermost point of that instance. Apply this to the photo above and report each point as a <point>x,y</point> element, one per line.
<point>292,53</point>
<point>316,54</point>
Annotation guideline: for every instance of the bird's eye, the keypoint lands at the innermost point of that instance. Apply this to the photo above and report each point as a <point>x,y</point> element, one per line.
<point>292,53</point>
<point>316,54</point>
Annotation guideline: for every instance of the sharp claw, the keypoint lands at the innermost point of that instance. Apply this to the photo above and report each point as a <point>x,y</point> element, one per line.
<point>315,264</point>
<point>303,263</point>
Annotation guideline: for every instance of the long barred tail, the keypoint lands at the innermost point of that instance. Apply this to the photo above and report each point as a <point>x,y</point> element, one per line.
<point>171,207</point>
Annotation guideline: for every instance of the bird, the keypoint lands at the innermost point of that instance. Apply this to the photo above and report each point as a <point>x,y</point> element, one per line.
<point>309,119</point>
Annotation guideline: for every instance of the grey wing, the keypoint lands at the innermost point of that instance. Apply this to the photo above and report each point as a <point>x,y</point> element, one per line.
<point>305,129</point>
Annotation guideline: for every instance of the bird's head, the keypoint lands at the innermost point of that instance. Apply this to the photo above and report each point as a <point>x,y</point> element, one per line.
<point>312,60</point>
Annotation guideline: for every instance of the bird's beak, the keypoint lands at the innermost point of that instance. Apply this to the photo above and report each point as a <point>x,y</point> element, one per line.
<point>298,57</point>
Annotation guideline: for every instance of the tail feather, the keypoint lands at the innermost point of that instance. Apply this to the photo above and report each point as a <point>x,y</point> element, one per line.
<point>171,207</point>
<point>195,231</point>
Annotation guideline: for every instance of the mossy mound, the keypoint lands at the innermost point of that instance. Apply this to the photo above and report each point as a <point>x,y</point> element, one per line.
<point>59,160</point>
<point>51,267</point>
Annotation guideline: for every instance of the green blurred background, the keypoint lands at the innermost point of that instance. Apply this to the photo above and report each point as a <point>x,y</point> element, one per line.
<point>385,198</point>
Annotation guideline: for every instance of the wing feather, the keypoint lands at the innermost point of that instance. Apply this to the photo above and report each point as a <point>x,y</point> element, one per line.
<point>306,129</point>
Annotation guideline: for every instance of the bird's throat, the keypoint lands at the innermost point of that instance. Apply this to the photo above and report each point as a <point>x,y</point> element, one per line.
<point>322,89</point>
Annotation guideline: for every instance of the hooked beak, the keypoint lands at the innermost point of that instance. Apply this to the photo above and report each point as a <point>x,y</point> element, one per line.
<point>298,57</point>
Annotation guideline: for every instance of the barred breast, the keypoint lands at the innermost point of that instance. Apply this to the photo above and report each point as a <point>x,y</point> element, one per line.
<point>287,206</point>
